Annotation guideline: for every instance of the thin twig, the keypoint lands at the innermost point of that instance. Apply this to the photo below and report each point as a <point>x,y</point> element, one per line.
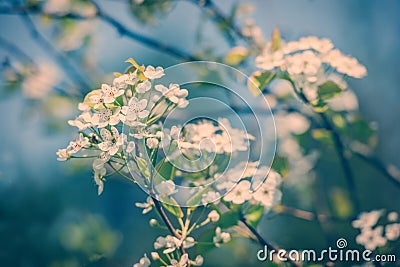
<point>219,17</point>
<point>343,157</point>
<point>380,166</point>
<point>167,222</point>
<point>61,58</point>
<point>14,49</point>
<point>117,25</point>
<point>123,30</point>
<point>264,242</point>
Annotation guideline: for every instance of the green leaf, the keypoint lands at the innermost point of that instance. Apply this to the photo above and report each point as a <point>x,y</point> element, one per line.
<point>195,200</point>
<point>341,203</point>
<point>328,90</point>
<point>319,105</point>
<point>361,131</point>
<point>229,219</point>
<point>254,214</point>
<point>236,56</point>
<point>281,165</point>
<point>165,170</point>
<point>205,242</point>
<point>142,165</point>
<point>259,80</point>
<point>322,135</point>
<point>173,208</point>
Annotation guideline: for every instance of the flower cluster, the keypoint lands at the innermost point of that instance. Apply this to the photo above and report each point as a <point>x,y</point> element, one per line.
<point>267,195</point>
<point>131,99</point>
<point>309,62</point>
<point>372,235</point>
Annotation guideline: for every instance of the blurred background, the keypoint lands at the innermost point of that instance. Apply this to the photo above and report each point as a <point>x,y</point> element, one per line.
<point>50,214</point>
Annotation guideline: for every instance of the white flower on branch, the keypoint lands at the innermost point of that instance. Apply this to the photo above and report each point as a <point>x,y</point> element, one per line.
<point>166,188</point>
<point>105,117</point>
<point>183,262</point>
<point>153,73</point>
<point>170,243</point>
<point>143,262</point>
<point>213,216</point>
<point>112,140</point>
<point>221,237</point>
<point>146,206</point>
<point>367,219</point>
<point>143,87</point>
<point>136,110</point>
<point>110,93</point>
<point>392,231</point>
<point>240,193</point>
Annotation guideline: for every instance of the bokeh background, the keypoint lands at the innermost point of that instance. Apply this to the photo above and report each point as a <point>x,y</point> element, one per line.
<point>50,214</point>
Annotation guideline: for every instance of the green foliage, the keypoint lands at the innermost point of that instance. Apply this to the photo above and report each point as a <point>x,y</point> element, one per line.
<point>328,90</point>
<point>229,219</point>
<point>259,80</point>
<point>149,11</point>
<point>173,208</point>
<point>254,214</point>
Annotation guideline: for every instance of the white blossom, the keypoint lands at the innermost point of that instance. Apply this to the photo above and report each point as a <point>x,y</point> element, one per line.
<point>110,93</point>
<point>99,173</point>
<point>153,73</point>
<point>143,262</point>
<point>210,197</point>
<point>125,79</point>
<point>136,110</point>
<point>174,94</point>
<point>143,87</point>
<point>106,116</point>
<point>213,216</point>
<point>63,154</point>
<point>82,122</point>
<point>170,243</point>
<point>392,231</point>
<point>166,188</point>
<point>371,238</point>
<point>183,262</point>
<point>146,206</point>
<point>393,216</point>
<point>240,193</point>
<point>221,237</point>
<point>41,81</point>
<point>78,144</point>
<point>112,140</point>
<point>198,261</point>
<point>152,143</point>
<point>268,194</point>
<point>367,219</point>
<point>155,256</point>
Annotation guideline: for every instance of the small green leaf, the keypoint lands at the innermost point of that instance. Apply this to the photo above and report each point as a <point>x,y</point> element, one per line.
<point>165,169</point>
<point>341,203</point>
<point>259,80</point>
<point>229,219</point>
<point>276,40</point>
<point>195,200</point>
<point>254,214</point>
<point>236,56</point>
<point>281,165</point>
<point>319,105</point>
<point>328,90</point>
<point>173,208</point>
<point>322,135</point>
<point>142,165</point>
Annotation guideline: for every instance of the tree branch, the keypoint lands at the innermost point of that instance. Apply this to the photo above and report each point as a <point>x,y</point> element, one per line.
<point>60,57</point>
<point>264,242</point>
